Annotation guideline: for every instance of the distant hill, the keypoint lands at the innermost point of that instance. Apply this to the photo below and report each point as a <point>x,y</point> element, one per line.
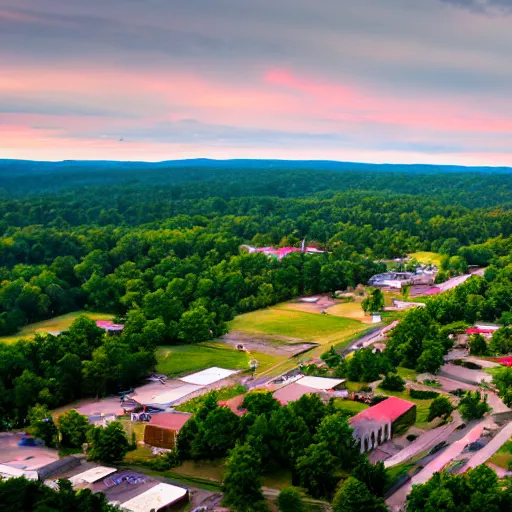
<point>282,178</point>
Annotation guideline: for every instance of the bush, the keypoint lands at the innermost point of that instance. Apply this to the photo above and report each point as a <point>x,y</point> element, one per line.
<point>164,462</point>
<point>393,382</point>
<point>423,395</point>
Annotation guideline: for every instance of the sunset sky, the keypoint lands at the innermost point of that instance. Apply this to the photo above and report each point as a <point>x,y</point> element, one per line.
<point>425,81</point>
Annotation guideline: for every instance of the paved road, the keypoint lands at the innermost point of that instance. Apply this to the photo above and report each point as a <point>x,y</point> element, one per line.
<point>425,441</point>
<point>397,500</point>
<point>491,448</point>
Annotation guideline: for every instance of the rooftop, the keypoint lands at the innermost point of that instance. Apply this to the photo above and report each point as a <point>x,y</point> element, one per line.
<point>320,383</point>
<point>171,421</point>
<point>388,410</point>
<point>293,392</point>
<point>208,376</point>
<point>91,475</point>
<point>156,498</point>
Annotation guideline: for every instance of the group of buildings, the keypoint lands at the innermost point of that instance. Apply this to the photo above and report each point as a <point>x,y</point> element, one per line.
<point>397,280</point>
<point>129,490</point>
<point>281,252</point>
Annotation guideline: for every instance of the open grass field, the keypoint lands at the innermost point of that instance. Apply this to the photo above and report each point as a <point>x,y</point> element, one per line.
<point>352,310</point>
<point>427,257</point>
<point>175,361</point>
<point>322,329</point>
<point>54,325</point>
<point>349,406</point>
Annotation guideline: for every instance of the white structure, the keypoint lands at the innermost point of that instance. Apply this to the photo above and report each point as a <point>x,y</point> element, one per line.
<point>371,433</point>
<point>155,499</point>
<point>163,397</point>
<point>320,383</point>
<point>209,376</point>
<point>91,475</point>
<point>376,318</point>
<point>7,472</point>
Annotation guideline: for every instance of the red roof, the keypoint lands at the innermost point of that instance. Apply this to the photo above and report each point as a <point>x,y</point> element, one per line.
<point>293,392</point>
<point>505,361</point>
<point>170,421</point>
<point>388,410</point>
<point>479,330</point>
<point>235,404</point>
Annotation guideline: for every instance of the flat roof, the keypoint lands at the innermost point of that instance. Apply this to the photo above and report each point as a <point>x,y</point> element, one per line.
<point>162,495</point>
<point>91,475</point>
<point>167,396</point>
<point>7,472</point>
<point>208,376</point>
<point>321,383</point>
<point>293,392</point>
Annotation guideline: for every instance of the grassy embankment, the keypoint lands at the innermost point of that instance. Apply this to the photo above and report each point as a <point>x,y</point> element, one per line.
<point>57,324</point>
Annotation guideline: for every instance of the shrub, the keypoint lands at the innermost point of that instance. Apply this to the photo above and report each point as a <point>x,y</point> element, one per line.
<point>423,395</point>
<point>393,382</point>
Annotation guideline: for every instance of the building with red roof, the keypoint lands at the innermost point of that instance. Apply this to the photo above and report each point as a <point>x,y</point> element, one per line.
<point>162,429</point>
<point>377,424</point>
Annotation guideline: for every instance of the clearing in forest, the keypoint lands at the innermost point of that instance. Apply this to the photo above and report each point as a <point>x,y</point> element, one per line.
<point>53,325</point>
<point>427,258</point>
<point>280,321</point>
<point>179,360</point>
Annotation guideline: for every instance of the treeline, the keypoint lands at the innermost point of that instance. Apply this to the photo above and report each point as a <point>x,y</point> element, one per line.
<point>196,180</point>
<point>84,361</point>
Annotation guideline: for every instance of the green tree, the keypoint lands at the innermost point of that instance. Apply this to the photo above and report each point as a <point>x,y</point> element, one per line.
<point>473,406</point>
<point>432,357</point>
<point>501,341</point>
<point>242,480</point>
<point>260,403</point>
<point>477,345</point>
<point>108,444</point>
<point>335,432</point>
<point>393,382</point>
<point>42,425</point>
<point>290,500</point>
<point>374,476</point>
<point>331,358</point>
<point>503,381</point>
<point>318,470</point>
<point>73,428</point>
<point>439,408</point>
<point>195,325</point>
<point>354,496</point>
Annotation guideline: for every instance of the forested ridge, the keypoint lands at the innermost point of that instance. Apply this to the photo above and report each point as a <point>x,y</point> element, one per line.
<point>165,257</point>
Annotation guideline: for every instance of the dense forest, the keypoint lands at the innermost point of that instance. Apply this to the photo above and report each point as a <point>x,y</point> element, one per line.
<point>159,248</point>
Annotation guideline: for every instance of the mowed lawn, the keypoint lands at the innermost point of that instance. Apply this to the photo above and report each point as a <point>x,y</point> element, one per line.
<point>322,329</point>
<point>175,361</point>
<point>57,324</point>
<point>427,257</point>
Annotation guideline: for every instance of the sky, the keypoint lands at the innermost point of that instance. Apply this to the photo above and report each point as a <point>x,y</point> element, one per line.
<point>401,81</point>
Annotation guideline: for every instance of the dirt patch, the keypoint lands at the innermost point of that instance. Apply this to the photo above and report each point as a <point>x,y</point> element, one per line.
<point>271,345</point>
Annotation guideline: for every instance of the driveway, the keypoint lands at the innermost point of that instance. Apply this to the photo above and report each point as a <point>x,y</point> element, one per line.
<point>491,448</point>
<point>425,441</point>
<point>397,500</point>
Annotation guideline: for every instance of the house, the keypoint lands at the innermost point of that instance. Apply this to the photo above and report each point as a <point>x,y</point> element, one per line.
<point>281,252</point>
<point>159,396</point>
<point>208,376</point>
<point>401,304</point>
<point>162,429</point>
<point>376,318</point>
<point>377,424</point>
